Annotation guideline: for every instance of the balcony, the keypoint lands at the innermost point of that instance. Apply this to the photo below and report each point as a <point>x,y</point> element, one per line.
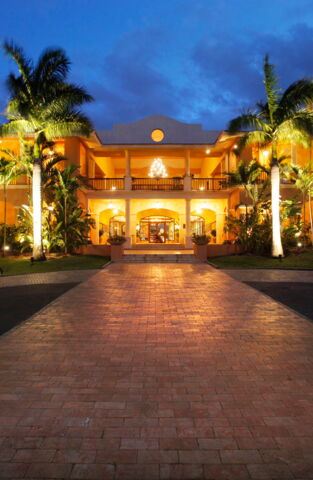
<point>209,184</point>
<point>160,184</point>
<point>106,183</point>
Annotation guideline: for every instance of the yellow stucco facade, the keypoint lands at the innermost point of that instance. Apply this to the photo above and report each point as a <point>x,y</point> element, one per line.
<point>123,199</point>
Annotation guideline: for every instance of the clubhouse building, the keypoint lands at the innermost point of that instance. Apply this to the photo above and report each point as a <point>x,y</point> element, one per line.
<point>155,180</point>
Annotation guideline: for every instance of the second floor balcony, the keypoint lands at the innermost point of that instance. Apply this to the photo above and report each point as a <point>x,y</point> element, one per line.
<point>159,184</point>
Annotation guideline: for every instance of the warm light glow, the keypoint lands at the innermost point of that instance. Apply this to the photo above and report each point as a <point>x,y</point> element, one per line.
<point>277,249</point>
<point>157,205</point>
<point>113,188</point>
<point>115,211</point>
<point>235,146</point>
<point>266,153</point>
<point>208,151</point>
<point>199,210</point>
<point>201,188</point>
<point>6,247</point>
<point>297,234</point>
<point>205,205</point>
<point>299,244</point>
<point>137,227</point>
<point>51,152</point>
<point>111,205</point>
<point>37,210</point>
<point>157,169</point>
<point>50,208</point>
<point>157,135</point>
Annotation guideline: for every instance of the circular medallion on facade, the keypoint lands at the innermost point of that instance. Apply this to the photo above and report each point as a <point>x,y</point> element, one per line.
<point>157,135</point>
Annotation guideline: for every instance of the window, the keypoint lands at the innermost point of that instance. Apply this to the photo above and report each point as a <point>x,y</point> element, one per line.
<point>157,135</point>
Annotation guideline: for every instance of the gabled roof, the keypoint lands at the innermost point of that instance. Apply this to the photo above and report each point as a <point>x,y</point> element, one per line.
<point>175,132</point>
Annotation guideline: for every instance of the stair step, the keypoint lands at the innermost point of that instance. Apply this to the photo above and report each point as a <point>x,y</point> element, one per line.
<point>159,258</point>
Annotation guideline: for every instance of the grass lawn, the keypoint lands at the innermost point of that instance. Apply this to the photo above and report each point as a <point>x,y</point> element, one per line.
<point>300,260</point>
<point>16,265</point>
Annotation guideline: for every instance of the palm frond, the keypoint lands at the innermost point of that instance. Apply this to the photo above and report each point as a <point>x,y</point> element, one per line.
<point>297,96</point>
<point>52,66</point>
<point>273,92</point>
<point>25,65</point>
<point>246,121</point>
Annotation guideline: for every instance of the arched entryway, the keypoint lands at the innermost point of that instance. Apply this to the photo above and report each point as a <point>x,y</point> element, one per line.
<point>157,226</point>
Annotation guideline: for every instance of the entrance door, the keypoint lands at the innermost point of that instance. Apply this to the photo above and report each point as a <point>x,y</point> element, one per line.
<point>158,229</point>
<point>157,233</point>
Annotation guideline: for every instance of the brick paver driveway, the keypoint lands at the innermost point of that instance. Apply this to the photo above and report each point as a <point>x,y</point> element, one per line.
<point>153,371</point>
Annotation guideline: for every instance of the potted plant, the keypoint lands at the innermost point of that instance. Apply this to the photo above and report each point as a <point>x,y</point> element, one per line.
<point>117,248</point>
<point>200,243</point>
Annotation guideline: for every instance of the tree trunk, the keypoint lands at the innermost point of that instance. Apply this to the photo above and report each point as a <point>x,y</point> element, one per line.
<point>38,254</point>
<point>277,249</point>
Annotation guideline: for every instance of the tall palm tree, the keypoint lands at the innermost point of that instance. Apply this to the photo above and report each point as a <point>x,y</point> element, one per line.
<point>44,105</point>
<point>284,117</point>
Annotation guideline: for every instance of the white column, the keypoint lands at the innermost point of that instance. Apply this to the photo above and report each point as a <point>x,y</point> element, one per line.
<point>188,225</point>
<point>187,179</point>
<point>127,217</point>
<point>187,163</point>
<point>128,179</point>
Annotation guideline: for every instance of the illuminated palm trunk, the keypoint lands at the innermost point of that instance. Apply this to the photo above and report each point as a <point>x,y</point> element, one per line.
<point>37,215</point>
<point>277,249</point>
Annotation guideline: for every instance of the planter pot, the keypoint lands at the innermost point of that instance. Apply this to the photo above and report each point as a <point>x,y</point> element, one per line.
<point>200,251</point>
<point>117,252</point>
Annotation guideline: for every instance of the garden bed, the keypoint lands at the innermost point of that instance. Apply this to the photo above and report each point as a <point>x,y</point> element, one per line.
<point>22,264</point>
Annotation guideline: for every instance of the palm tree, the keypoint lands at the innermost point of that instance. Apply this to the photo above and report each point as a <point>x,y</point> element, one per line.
<point>8,172</point>
<point>69,221</point>
<point>283,118</point>
<point>247,176</point>
<point>44,105</point>
<point>304,182</point>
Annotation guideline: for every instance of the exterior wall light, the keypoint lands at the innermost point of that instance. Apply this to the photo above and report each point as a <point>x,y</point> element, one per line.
<point>208,151</point>
<point>113,188</point>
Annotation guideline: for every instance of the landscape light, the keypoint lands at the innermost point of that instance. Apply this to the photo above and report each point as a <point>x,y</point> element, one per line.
<point>6,247</point>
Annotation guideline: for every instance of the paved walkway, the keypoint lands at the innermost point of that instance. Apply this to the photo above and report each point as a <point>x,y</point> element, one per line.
<point>68,276</point>
<point>267,275</point>
<point>158,372</point>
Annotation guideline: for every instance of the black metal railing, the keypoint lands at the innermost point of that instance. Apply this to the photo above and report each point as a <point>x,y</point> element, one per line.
<point>106,183</point>
<point>158,184</point>
<point>209,184</point>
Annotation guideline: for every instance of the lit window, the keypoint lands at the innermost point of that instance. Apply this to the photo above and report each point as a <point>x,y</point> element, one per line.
<point>157,135</point>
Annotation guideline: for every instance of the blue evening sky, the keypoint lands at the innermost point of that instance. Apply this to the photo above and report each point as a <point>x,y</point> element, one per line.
<point>195,60</point>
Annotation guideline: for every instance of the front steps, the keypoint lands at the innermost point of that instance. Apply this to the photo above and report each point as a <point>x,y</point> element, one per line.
<point>160,258</point>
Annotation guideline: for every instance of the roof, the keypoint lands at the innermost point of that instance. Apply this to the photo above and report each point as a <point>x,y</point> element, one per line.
<point>175,132</point>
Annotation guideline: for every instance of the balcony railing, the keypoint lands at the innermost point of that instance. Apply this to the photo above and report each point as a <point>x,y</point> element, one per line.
<point>209,184</point>
<point>158,184</point>
<point>106,183</point>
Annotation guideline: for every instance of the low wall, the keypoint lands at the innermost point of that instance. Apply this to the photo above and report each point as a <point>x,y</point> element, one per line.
<point>101,250</point>
<point>219,250</point>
